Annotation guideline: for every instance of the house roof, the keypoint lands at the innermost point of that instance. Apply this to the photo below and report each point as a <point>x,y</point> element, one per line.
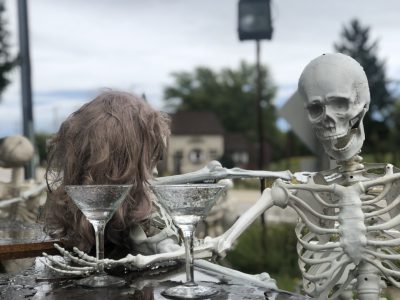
<point>195,122</point>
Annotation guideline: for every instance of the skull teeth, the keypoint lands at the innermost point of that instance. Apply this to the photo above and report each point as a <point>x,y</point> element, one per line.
<point>343,143</point>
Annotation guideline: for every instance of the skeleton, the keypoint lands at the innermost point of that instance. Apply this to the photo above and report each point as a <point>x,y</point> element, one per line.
<point>348,230</point>
<point>19,200</point>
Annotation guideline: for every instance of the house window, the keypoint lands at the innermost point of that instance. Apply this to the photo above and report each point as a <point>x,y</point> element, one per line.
<point>240,157</point>
<point>214,154</point>
<point>196,156</point>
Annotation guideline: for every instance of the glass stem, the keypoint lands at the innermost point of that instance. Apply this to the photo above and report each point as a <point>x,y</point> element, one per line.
<point>99,227</point>
<point>188,231</point>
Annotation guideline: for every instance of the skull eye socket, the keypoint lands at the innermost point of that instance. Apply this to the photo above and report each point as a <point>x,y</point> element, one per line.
<point>315,110</point>
<point>339,104</point>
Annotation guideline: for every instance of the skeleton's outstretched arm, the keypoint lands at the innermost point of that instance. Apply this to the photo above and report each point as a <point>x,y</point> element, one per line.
<point>214,172</point>
<point>225,241</point>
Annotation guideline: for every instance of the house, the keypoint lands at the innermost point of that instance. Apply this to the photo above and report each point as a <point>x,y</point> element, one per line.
<point>238,150</point>
<point>197,137</point>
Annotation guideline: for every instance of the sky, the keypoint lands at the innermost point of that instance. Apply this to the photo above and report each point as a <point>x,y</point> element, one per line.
<point>79,47</point>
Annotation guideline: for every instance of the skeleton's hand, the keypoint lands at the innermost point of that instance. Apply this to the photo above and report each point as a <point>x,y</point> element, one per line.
<point>87,264</point>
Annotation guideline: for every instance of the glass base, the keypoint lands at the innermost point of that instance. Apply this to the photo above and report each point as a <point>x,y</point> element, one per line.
<point>102,280</point>
<point>189,292</point>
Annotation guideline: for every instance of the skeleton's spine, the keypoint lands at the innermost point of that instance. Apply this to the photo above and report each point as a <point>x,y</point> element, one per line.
<point>351,224</point>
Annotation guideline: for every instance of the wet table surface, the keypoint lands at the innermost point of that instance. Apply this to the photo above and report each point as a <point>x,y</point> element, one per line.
<point>21,240</point>
<point>38,282</point>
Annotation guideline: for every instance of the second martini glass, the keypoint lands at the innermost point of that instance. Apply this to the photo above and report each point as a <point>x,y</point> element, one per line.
<point>187,204</point>
<point>98,203</point>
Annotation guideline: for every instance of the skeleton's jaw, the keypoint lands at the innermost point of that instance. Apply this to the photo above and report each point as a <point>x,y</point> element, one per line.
<point>344,147</point>
<point>345,142</point>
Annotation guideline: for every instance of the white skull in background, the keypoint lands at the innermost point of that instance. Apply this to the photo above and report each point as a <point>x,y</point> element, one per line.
<point>15,151</point>
<point>336,96</point>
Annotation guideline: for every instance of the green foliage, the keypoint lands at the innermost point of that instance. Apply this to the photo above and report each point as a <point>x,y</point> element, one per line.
<point>355,42</point>
<point>279,258</point>
<point>229,93</point>
<point>41,144</point>
<point>6,62</point>
<point>395,134</point>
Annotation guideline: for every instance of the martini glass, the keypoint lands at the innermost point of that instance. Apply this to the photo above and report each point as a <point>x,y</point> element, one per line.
<point>98,203</point>
<point>187,204</point>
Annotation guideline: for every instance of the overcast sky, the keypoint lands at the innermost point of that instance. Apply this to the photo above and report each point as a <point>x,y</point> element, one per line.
<point>81,46</point>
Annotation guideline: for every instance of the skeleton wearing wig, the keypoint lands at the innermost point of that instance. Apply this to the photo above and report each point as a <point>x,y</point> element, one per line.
<point>117,138</point>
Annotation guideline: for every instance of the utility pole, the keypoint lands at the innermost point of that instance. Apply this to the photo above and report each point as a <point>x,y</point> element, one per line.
<point>255,24</point>
<point>260,127</point>
<point>26,87</point>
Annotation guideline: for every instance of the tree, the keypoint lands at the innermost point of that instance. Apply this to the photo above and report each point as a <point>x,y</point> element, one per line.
<point>355,42</point>
<point>230,94</point>
<point>6,62</point>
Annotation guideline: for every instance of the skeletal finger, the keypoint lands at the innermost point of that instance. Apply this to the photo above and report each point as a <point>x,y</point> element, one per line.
<point>84,256</point>
<point>74,258</point>
<point>65,271</point>
<point>65,266</point>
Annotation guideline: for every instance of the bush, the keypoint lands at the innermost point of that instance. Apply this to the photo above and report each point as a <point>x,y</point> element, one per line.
<point>279,258</point>
<point>41,139</point>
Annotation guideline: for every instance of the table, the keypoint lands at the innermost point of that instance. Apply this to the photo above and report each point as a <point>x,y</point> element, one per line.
<point>38,282</point>
<point>21,240</point>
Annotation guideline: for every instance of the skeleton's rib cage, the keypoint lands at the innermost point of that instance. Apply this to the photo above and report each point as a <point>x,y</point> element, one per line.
<point>342,227</point>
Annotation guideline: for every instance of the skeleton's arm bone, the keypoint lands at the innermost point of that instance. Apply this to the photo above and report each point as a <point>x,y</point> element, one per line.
<point>140,261</point>
<point>245,220</point>
<point>214,172</point>
<point>206,265</point>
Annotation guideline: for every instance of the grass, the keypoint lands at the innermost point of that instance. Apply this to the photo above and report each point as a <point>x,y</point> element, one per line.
<point>277,256</point>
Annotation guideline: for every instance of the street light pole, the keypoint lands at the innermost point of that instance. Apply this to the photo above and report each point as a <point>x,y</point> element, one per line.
<point>259,109</point>
<point>26,88</point>
<point>255,24</point>
<point>261,151</point>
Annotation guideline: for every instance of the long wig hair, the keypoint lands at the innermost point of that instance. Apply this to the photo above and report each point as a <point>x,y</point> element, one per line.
<point>117,138</point>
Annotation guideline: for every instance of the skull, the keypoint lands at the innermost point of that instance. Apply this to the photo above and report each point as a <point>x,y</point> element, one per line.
<point>335,91</point>
<point>15,151</point>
